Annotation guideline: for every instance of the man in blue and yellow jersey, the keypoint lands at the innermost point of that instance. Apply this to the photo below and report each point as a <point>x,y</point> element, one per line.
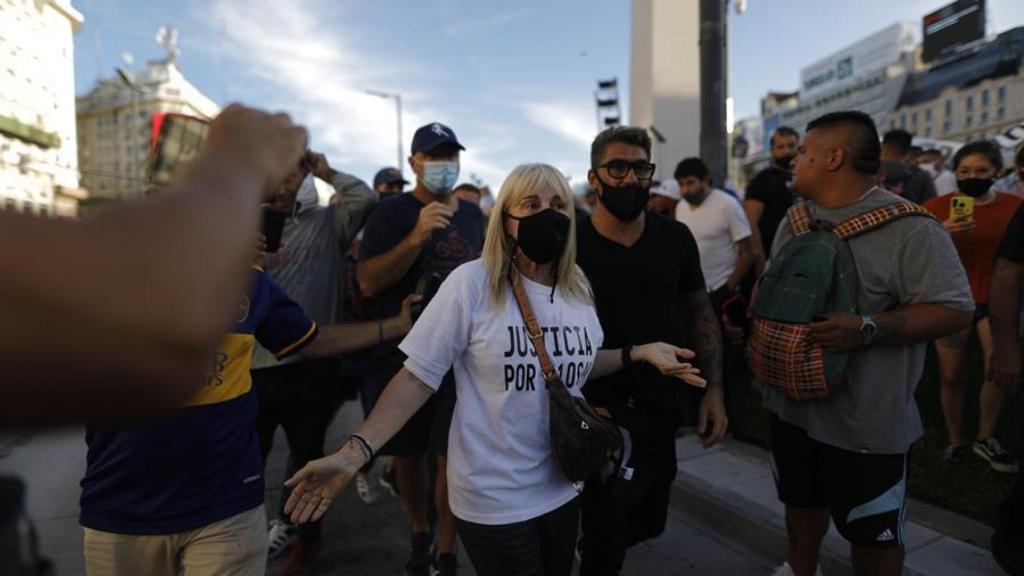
<point>184,492</point>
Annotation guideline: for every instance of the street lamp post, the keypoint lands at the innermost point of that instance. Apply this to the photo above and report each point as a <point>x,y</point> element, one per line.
<point>398,114</point>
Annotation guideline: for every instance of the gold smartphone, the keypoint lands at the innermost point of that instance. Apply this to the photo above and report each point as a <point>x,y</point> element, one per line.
<point>961,208</point>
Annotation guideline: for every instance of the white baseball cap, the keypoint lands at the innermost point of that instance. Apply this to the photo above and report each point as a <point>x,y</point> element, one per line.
<point>668,189</point>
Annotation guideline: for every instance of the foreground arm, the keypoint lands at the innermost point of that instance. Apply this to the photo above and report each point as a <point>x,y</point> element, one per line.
<point>841,332</point>
<point>344,338</point>
<point>665,357</point>
<point>122,312</point>
<point>1004,314</point>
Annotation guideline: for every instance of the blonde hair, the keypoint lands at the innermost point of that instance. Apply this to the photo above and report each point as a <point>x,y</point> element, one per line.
<point>498,249</point>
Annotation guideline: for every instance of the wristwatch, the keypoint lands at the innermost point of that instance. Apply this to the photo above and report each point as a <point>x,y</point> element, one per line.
<point>869,329</point>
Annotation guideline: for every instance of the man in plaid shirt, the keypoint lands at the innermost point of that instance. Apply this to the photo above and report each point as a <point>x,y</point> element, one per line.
<point>845,456</point>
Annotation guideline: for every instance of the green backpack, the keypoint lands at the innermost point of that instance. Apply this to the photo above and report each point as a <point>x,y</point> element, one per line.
<point>813,274</point>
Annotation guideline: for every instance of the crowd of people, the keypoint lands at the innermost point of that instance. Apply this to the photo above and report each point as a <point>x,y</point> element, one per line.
<point>824,283</point>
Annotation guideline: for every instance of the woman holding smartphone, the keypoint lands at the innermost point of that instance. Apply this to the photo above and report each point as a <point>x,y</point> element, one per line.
<point>976,216</point>
<point>517,513</point>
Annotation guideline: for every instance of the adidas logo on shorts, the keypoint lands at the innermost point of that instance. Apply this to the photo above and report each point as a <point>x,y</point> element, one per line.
<point>885,536</point>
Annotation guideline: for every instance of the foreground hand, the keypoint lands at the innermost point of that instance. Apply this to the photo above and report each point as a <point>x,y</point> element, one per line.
<point>712,422</point>
<point>246,139</point>
<point>315,486</point>
<point>666,358</point>
<point>840,332</point>
<point>1005,366</point>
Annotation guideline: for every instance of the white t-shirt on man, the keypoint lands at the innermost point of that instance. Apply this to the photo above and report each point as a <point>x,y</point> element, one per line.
<point>717,225</point>
<point>500,466</point>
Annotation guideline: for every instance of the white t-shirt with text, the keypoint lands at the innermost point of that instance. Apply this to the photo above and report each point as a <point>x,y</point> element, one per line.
<point>500,466</point>
<point>717,225</point>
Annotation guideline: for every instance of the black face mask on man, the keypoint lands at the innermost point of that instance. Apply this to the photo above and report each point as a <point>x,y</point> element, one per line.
<point>974,187</point>
<point>543,236</point>
<point>624,202</point>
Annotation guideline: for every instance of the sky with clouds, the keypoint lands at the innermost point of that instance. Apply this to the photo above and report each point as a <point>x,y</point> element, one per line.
<point>515,80</point>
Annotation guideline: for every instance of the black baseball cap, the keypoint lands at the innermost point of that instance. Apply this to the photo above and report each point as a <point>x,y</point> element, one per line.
<point>388,176</point>
<point>433,135</point>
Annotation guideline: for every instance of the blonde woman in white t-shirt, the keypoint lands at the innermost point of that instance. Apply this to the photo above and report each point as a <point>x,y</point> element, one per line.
<point>517,513</point>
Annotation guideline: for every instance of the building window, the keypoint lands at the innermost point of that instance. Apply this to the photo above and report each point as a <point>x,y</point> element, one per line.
<point>1001,94</point>
<point>970,103</point>
<point>913,119</point>
<point>984,118</point>
<point>984,98</point>
<point>946,127</point>
<point>1001,113</point>
<point>969,122</point>
<point>949,107</point>
<point>928,132</point>
<point>928,115</point>
<point>903,120</point>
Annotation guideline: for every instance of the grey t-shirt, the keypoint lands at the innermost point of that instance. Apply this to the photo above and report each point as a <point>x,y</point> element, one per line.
<point>909,261</point>
<point>309,265</point>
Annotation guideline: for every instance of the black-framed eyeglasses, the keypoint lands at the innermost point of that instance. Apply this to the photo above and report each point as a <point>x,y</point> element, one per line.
<point>619,169</point>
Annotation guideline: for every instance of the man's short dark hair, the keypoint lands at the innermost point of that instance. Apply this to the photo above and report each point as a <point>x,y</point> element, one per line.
<point>900,140</point>
<point>467,186</point>
<point>864,149</point>
<point>986,148</point>
<point>624,134</point>
<point>692,167</point>
<point>783,131</point>
<point>932,152</point>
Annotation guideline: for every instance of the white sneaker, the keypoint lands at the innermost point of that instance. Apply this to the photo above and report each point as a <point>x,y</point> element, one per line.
<point>280,536</point>
<point>367,493</point>
<point>785,570</point>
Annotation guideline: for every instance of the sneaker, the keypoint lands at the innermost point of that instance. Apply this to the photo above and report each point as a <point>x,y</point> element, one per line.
<point>419,556</point>
<point>365,488</point>
<point>953,454</point>
<point>444,565</point>
<point>388,481</point>
<point>301,558</point>
<point>999,459</point>
<point>786,570</point>
<point>280,534</point>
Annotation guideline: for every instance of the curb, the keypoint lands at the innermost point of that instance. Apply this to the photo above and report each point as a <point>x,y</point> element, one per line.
<point>730,490</point>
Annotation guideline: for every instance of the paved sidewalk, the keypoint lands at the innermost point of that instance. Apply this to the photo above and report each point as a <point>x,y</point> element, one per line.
<point>730,489</point>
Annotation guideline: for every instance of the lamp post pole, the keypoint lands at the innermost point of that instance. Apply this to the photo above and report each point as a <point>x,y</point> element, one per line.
<point>398,115</point>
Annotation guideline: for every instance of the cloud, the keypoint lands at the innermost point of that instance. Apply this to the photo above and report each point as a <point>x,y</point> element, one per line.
<point>572,122</point>
<point>309,68</point>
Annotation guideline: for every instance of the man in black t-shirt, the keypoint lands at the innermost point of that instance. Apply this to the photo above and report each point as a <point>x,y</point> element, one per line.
<point>768,195</point>
<point>648,286</point>
<point>408,238</point>
<point>897,174</point>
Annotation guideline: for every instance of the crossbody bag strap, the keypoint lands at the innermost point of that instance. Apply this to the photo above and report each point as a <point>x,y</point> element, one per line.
<point>534,331</point>
<point>868,221</point>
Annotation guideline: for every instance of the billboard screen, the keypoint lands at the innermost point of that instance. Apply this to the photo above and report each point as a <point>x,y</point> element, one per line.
<point>951,26</point>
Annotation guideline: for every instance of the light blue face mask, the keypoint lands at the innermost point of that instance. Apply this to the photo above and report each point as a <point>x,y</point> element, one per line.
<point>440,176</point>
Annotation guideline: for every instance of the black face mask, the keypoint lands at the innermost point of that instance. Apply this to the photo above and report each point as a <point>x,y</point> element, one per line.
<point>974,187</point>
<point>624,202</point>
<point>542,236</point>
<point>785,162</point>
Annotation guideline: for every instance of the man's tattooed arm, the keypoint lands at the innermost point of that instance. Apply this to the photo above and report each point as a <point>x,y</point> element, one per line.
<point>707,337</point>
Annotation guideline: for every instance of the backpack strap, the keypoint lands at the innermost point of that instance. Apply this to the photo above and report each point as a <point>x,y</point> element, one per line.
<point>868,221</point>
<point>800,220</point>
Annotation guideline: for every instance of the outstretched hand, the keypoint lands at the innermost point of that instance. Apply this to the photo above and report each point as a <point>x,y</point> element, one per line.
<point>315,487</point>
<point>667,359</point>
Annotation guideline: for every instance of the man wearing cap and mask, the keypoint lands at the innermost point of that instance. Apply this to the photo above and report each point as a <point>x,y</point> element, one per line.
<point>412,241</point>
<point>389,183</point>
<point>646,277</point>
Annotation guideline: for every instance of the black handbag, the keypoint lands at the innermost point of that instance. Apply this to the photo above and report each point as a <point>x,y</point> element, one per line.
<point>581,440</point>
